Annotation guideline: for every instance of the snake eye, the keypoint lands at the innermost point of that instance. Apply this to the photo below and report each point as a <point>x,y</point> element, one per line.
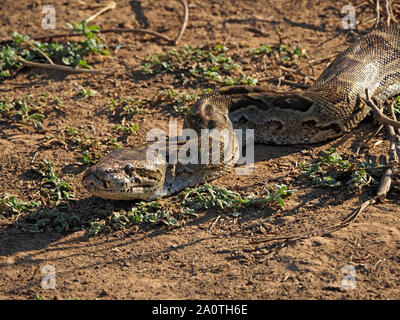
<point>129,169</point>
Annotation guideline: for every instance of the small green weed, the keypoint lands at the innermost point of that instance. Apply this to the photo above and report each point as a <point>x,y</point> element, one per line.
<point>90,158</point>
<point>285,52</point>
<point>56,189</point>
<point>207,64</point>
<point>332,171</point>
<point>74,138</point>
<point>181,100</point>
<point>143,212</point>
<point>396,107</point>
<point>70,53</point>
<point>86,93</point>
<point>276,194</point>
<point>54,219</point>
<point>17,206</point>
<point>125,106</point>
<point>126,128</point>
<point>24,110</point>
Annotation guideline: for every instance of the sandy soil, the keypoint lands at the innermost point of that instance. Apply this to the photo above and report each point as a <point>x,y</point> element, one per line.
<point>194,261</point>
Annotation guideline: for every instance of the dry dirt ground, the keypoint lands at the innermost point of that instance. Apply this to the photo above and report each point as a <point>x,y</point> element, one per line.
<point>206,258</point>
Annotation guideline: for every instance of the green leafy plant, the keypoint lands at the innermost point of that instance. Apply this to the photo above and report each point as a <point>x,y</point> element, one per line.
<point>125,106</point>
<point>69,53</point>
<point>332,171</point>
<point>23,110</point>
<point>86,93</point>
<point>207,196</point>
<point>126,128</point>
<point>285,52</point>
<point>73,138</point>
<point>56,188</point>
<point>54,219</point>
<point>397,106</point>
<point>17,206</point>
<point>278,193</point>
<point>143,212</point>
<point>181,100</point>
<point>207,64</point>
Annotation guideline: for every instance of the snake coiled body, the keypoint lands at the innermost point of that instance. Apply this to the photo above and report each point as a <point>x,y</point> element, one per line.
<point>331,107</point>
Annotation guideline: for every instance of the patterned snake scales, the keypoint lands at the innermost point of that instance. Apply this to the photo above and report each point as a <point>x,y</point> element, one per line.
<point>331,107</point>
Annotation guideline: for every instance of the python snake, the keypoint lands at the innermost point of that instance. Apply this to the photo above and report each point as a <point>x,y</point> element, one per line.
<point>331,107</point>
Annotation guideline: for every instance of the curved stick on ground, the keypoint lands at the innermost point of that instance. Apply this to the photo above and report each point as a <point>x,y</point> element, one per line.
<point>62,68</point>
<point>185,21</point>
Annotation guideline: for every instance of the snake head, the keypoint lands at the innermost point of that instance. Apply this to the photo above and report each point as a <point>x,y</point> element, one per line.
<point>125,174</point>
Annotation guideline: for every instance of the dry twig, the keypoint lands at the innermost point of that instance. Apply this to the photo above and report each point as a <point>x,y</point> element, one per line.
<point>378,113</point>
<point>185,21</point>
<point>62,68</point>
<point>30,42</point>
<point>110,6</point>
<point>377,14</point>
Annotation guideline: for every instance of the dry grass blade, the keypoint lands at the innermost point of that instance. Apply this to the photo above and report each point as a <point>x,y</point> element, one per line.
<point>110,6</point>
<point>185,20</point>
<point>377,14</point>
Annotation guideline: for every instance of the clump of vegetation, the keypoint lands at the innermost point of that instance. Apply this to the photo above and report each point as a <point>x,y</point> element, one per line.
<point>84,93</point>
<point>55,188</point>
<point>181,100</point>
<point>207,196</point>
<point>54,219</point>
<point>91,147</point>
<point>143,212</point>
<point>99,219</point>
<point>125,128</point>
<point>332,171</point>
<point>207,64</point>
<point>70,53</point>
<point>90,158</point>
<point>285,52</point>
<point>73,138</point>
<point>17,206</point>
<point>77,137</point>
<point>23,110</point>
<point>126,106</point>
<point>198,198</point>
<point>102,218</point>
